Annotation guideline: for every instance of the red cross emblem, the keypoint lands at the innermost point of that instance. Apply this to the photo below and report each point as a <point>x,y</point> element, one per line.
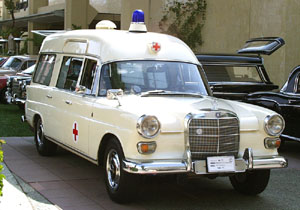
<point>156,46</point>
<point>75,131</point>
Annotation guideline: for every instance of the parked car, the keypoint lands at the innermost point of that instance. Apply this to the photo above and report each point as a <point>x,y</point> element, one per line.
<point>234,76</point>
<point>16,64</point>
<point>139,103</point>
<point>3,60</point>
<point>12,66</point>
<point>16,86</point>
<point>285,102</point>
<point>3,80</point>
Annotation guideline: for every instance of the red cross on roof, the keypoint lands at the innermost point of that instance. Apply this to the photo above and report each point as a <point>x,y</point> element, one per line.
<point>156,46</point>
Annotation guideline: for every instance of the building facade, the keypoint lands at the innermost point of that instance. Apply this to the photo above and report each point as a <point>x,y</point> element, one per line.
<point>59,14</point>
<point>228,23</point>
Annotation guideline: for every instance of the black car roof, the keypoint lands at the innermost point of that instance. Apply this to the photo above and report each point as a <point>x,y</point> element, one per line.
<point>228,58</point>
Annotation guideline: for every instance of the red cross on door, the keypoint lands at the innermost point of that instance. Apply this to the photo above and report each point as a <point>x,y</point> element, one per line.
<point>75,131</point>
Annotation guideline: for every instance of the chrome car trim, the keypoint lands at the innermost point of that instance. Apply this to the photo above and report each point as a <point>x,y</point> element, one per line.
<point>164,167</point>
<point>290,137</point>
<point>187,155</point>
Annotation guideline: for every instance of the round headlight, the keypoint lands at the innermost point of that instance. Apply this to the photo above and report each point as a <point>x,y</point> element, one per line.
<point>148,126</point>
<point>274,125</point>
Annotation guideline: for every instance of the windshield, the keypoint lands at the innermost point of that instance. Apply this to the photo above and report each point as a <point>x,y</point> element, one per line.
<point>136,77</point>
<point>232,73</point>
<point>12,62</point>
<point>29,71</point>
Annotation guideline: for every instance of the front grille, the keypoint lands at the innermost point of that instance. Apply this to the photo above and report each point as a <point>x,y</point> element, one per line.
<point>214,137</point>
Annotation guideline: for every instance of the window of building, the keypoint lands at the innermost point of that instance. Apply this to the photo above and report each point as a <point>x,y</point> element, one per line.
<point>44,69</point>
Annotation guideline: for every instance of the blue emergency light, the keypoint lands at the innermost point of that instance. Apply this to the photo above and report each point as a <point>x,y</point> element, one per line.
<point>138,22</point>
<point>138,16</point>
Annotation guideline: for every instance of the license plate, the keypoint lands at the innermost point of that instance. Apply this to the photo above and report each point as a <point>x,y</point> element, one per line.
<point>220,164</point>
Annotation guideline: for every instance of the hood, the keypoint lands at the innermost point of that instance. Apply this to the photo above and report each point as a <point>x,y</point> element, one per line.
<point>172,110</point>
<point>7,72</point>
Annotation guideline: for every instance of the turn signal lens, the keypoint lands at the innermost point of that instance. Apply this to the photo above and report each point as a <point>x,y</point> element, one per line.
<point>272,143</point>
<point>146,147</point>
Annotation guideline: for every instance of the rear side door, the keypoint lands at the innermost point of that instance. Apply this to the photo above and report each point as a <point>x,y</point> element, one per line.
<point>38,93</point>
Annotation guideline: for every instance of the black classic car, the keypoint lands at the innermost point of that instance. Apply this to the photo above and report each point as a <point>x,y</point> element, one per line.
<point>285,102</point>
<point>16,87</point>
<point>234,76</point>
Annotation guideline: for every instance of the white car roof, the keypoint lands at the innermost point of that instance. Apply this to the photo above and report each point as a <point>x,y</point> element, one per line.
<point>116,45</point>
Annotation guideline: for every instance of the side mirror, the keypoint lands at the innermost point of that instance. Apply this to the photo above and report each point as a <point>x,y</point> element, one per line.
<point>81,89</point>
<point>113,94</point>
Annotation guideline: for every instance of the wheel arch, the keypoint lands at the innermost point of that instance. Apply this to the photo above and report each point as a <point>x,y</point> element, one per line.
<point>104,141</point>
<point>35,119</point>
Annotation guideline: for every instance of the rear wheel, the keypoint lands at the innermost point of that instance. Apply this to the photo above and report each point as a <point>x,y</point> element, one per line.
<point>121,186</point>
<point>3,99</point>
<point>43,145</point>
<point>251,182</point>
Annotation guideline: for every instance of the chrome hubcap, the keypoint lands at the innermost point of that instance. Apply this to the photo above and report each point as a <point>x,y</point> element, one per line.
<point>113,169</point>
<point>40,133</point>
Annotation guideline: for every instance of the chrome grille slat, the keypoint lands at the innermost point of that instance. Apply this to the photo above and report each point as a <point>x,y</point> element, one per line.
<point>213,137</point>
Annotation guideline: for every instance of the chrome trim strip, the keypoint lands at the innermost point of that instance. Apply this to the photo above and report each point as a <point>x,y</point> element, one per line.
<point>188,154</point>
<point>72,149</point>
<point>290,137</point>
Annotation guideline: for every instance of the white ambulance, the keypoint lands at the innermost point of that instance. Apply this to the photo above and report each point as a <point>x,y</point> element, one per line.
<point>139,103</point>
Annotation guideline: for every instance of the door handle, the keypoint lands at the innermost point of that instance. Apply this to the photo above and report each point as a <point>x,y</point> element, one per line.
<point>68,102</point>
<point>48,96</point>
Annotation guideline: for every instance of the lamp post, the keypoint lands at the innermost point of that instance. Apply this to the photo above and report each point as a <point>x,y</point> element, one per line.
<point>2,44</point>
<point>17,41</point>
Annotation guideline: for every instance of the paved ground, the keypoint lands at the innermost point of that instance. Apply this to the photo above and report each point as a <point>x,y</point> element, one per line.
<point>70,182</point>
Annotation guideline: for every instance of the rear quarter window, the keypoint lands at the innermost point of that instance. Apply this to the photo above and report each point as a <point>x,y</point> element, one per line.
<point>44,69</point>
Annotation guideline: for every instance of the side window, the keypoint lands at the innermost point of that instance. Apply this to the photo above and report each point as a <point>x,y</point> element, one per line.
<point>105,82</point>
<point>24,66</point>
<point>44,69</point>
<point>69,73</point>
<point>88,75</point>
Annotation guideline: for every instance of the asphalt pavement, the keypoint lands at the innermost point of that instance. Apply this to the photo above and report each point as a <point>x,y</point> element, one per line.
<point>67,181</point>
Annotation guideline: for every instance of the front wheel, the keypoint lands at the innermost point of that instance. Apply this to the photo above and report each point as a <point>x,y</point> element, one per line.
<point>43,145</point>
<point>251,182</point>
<point>120,185</point>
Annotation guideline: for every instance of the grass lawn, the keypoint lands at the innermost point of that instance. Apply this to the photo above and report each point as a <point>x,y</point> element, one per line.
<point>10,122</point>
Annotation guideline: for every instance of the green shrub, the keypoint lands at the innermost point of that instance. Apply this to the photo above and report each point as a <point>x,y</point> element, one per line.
<point>1,167</point>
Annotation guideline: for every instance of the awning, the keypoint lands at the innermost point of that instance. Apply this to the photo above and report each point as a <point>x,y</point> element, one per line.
<point>56,16</point>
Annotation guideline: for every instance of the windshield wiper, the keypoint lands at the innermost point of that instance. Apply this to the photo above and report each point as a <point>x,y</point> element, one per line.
<point>164,92</point>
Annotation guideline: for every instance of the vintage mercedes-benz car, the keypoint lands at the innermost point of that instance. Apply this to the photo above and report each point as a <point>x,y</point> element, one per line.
<point>16,64</point>
<point>285,102</point>
<point>138,103</point>
<point>16,87</point>
<point>233,76</point>
<point>12,66</point>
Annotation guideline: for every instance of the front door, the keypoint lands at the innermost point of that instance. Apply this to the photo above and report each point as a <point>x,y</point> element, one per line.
<point>77,96</point>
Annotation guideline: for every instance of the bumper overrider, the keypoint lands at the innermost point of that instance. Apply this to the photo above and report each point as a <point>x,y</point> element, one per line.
<point>248,162</point>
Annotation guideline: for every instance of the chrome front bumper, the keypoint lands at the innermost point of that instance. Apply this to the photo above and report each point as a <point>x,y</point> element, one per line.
<point>248,162</point>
